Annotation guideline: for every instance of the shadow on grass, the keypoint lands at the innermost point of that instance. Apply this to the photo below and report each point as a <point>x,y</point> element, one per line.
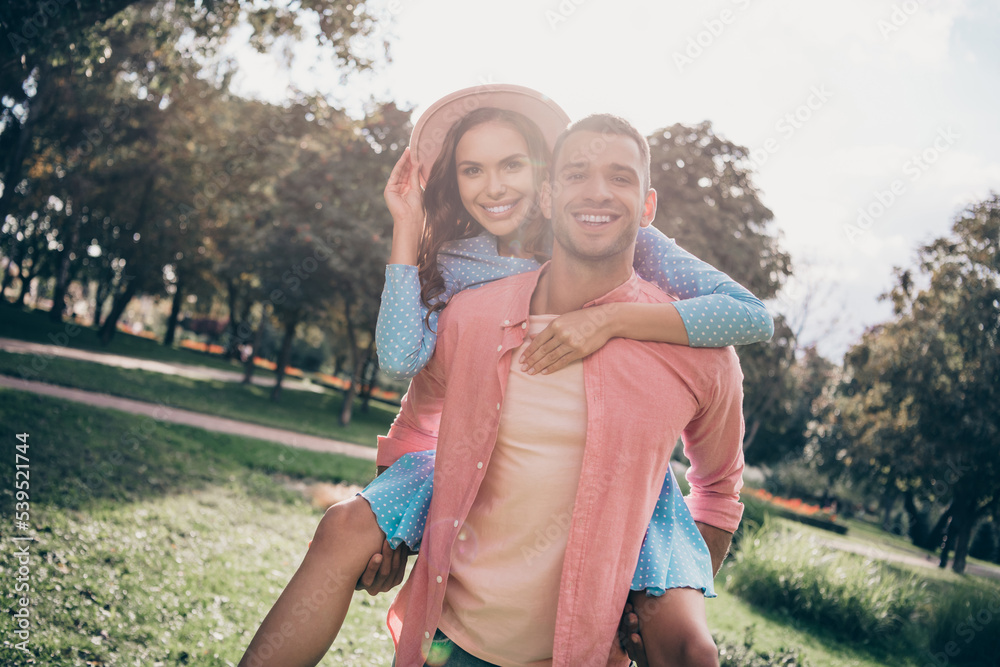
<point>34,326</point>
<point>82,457</point>
<point>308,412</point>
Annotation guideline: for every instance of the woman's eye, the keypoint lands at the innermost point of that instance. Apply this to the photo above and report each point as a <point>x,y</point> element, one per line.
<point>470,171</point>
<point>515,165</point>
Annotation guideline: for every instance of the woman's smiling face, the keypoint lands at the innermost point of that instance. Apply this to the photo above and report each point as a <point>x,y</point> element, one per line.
<point>495,179</point>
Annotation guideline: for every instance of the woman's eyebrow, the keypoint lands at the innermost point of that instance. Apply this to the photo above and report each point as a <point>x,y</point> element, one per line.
<point>513,156</point>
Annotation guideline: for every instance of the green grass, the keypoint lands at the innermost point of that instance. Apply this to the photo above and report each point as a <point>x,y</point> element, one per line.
<point>34,326</point>
<point>301,411</point>
<point>730,617</point>
<point>164,544</point>
<point>166,550</point>
<point>900,611</point>
<point>85,457</point>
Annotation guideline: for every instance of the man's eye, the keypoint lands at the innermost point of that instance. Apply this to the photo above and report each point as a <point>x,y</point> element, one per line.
<point>573,176</point>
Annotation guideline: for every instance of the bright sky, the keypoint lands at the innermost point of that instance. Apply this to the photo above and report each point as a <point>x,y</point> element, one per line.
<point>885,106</point>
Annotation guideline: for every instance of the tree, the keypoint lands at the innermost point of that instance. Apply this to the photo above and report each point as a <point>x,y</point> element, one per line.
<point>707,202</point>
<point>96,48</point>
<point>918,408</point>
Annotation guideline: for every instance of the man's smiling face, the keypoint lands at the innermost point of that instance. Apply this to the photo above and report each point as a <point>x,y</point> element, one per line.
<point>598,199</point>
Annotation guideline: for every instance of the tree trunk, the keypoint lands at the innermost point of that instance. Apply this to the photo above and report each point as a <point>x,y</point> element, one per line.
<point>62,271</point>
<point>347,409</point>
<point>284,355</point>
<point>963,523</point>
<point>108,328</point>
<point>25,285</point>
<point>8,272</point>
<point>100,296</point>
<point>370,379</point>
<point>751,434</point>
<point>918,532</point>
<point>175,313</point>
<point>947,541</point>
<point>936,536</point>
<point>888,502</point>
<point>233,342</point>
<point>248,365</point>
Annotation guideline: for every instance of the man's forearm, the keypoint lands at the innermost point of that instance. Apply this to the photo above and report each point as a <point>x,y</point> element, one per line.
<point>718,542</point>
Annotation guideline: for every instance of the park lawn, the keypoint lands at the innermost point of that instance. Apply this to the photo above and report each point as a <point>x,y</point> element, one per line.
<point>307,412</point>
<point>166,551</point>
<point>34,326</point>
<point>734,621</point>
<point>171,550</point>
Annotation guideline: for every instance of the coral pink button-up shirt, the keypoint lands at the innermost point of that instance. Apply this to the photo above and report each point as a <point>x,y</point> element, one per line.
<point>641,396</point>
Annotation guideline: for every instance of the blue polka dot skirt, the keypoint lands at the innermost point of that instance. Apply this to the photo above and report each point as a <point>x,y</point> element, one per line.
<point>401,496</point>
<point>673,555</point>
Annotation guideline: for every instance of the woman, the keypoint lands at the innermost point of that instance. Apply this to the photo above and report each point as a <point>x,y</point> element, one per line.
<point>482,224</point>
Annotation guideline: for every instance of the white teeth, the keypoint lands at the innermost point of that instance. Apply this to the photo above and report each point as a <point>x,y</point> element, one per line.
<point>594,218</point>
<point>499,209</point>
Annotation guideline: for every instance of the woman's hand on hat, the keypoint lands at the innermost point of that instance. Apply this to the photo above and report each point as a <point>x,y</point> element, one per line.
<point>403,194</point>
<point>405,200</point>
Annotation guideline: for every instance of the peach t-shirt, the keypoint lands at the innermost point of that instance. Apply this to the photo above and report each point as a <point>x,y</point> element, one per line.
<point>503,587</point>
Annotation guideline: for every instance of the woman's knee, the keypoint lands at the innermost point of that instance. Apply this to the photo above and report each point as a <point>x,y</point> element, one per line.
<point>699,650</point>
<point>352,517</point>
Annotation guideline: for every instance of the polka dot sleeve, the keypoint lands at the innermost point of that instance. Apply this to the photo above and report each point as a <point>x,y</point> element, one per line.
<point>716,310</point>
<point>404,337</point>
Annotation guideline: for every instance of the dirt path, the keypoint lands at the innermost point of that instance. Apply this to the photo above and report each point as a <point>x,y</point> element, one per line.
<point>177,416</point>
<point>168,368</point>
<point>892,554</point>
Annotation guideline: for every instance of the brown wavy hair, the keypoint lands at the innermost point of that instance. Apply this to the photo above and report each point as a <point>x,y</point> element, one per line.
<point>447,218</point>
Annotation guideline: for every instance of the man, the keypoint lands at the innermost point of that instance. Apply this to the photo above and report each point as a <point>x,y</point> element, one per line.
<point>544,484</point>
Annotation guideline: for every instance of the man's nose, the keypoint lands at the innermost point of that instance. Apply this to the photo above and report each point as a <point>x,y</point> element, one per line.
<point>598,190</point>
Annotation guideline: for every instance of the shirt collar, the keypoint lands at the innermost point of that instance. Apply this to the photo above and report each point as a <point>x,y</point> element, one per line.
<point>516,314</point>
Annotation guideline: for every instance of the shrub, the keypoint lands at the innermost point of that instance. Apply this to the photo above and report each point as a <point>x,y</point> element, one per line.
<point>745,655</point>
<point>966,626</point>
<point>920,529</point>
<point>857,598</point>
<point>796,479</point>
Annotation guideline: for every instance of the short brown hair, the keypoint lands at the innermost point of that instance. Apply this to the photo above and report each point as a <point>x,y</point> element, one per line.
<point>605,124</point>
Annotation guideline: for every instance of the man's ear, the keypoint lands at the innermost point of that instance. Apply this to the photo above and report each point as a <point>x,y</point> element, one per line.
<point>648,209</point>
<point>545,199</point>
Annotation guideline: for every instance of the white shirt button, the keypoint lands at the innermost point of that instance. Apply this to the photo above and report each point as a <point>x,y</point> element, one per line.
<point>499,347</point>
<point>456,523</point>
<point>439,579</point>
<point>427,635</point>
<point>506,322</point>
<point>524,325</point>
<point>479,465</point>
<point>498,406</point>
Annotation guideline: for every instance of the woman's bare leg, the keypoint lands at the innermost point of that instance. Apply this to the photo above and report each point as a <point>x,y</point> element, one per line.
<point>674,628</point>
<point>303,623</point>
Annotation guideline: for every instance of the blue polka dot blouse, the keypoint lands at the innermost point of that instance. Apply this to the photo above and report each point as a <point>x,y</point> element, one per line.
<point>716,310</point>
